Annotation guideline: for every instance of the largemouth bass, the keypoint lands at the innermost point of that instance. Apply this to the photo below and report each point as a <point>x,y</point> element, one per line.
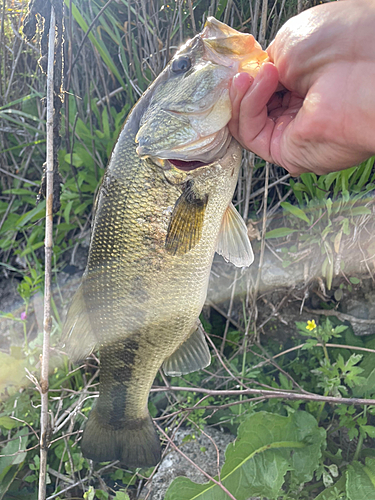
<point>163,209</point>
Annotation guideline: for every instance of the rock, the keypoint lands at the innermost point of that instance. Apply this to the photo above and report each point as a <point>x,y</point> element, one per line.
<point>275,275</point>
<point>200,449</point>
<point>360,305</point>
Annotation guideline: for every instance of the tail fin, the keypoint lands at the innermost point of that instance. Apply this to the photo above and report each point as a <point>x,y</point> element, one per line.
<point>135,443</point>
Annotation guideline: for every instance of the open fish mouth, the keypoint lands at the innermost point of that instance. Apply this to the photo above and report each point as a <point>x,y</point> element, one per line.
<point>187,166</point>
<point>191,160</point>
<point>203,151</point>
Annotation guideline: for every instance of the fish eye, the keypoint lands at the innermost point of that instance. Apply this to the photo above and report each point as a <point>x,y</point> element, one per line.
<point>181,64</point>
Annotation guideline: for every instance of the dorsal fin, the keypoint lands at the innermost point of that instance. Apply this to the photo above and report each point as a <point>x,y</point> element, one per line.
<point>233,243</point>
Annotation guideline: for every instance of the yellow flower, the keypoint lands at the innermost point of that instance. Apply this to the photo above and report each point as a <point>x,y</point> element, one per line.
<point>311,325</point>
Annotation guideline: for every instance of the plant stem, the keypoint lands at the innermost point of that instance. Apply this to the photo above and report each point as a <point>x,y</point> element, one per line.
<point>325,352</point>
<point>360,439</point>
<point>244,354</point>
<point>321,406</point>
<point>359,445</point>
<point>326,392</point>
<point>25,326</point>
<point>47,320</point>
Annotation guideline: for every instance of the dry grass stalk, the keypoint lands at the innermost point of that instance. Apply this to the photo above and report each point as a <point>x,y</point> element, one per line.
<point>47,319</point>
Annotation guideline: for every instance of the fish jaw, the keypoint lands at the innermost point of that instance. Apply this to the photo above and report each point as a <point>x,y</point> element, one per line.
<point>188,114</point>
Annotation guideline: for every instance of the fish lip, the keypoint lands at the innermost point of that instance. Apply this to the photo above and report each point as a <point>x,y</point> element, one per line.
<point>193,158</point>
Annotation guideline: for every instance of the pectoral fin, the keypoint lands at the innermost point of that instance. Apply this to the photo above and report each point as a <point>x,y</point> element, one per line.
<point>185,226</point>
<point>233,243</point>
<point>191,356</point>
<point>78,337</point>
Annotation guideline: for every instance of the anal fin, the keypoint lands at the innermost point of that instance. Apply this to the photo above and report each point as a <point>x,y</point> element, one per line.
<point>191,356</point>
<point>233,243</point>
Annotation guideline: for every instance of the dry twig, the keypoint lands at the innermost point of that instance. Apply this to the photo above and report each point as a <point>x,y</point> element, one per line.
<point>47,319</point>
<point>287,395</point>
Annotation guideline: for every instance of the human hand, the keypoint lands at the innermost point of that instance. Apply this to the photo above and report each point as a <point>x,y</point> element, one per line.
<point>325,119</point>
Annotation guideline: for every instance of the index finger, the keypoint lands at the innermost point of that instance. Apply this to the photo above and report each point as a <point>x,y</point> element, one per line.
<point>250,124</point>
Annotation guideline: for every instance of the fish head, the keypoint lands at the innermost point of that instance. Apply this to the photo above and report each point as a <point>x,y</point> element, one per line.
<point>185,123</point>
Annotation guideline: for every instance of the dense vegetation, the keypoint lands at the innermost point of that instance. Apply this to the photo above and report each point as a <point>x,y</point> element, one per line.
<point>270,363</point>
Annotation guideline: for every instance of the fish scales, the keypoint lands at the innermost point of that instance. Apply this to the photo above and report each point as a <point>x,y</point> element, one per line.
<point>156,228</point>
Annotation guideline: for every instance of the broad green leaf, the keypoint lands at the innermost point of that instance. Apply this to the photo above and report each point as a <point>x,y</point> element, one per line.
<point>368,386</point>
<point>280,232</point>
<point>67,210</point>
<point>101,495</point>
<point>369,430</point>
<point>360,480</point>
<point>7,422</point>
<point>295,211</point>
<point>121,495</point>
<point>360,211</point>
<point>345,226</point>
<point>354,280</point>
<point>298,186</point>
<point>309,179</point>
<point>90,494</point>
<point>329,179</point>
<point>329,493</point>
<point>74,158</point>
<point>12,459</point>
<point>8,478</point>
<point>297,190</point>
<point>221,6</point>
<point>329,204</point>
<point>267,446</point>
<point>366,172</point>
<point>83,131</point>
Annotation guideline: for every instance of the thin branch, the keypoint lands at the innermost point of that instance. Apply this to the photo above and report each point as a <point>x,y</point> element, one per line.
<point>19,178</point>
<point>224,314</point>
<point>191,12</point>
<point>291,396</point>
<point>256,193</point>
<point>262,248</point>
<point>297,347</point>
<point>194,464</point>
<point>229,313</point>
<point>341,316</point>
<point>78,483</point>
